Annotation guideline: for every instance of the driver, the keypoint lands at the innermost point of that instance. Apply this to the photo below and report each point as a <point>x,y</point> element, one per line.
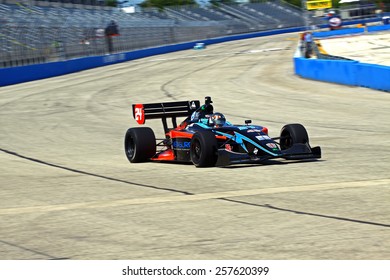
<point>217,120</point>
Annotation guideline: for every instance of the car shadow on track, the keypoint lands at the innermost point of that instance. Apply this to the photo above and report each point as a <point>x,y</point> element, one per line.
<point>268,163</point>
<point>247,164</point>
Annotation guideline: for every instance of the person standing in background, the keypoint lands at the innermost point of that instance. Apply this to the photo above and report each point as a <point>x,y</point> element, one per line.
<point>111,31</point>
<point>308,42</point>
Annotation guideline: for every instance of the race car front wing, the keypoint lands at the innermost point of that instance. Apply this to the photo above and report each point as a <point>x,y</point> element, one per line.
<point>296,152</point>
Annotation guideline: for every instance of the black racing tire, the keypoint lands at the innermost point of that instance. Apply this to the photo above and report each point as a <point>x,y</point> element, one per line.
<point>140,144</point>
<point>204,149</point>
<point>293,134</point>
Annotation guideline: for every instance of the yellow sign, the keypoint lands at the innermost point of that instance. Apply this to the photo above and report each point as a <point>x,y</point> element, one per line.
<point>320,4</point>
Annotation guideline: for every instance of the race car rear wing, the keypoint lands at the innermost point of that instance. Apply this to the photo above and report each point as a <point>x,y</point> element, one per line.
<point>143,112</point>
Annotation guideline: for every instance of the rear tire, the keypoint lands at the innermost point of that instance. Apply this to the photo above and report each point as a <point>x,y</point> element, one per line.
<point>293,134</point>
<point>140,144</point>
<point>204,149</point>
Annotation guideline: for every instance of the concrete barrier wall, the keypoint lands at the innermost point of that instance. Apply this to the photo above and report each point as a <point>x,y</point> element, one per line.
<point>335,71</point>
<point>14,75</point>
<point>338,33</point>
<point>378,28</point>
<point>350,31</point>
<point>345,72</point>
<point>373,76</point>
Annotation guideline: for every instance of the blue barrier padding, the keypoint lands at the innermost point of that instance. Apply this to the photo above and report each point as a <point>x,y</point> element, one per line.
<point>339,32</point>
<point>355,22</point>
<point>378,28</point>
<point>20,74</point>
<point>373,76</point>
<point>344,72</point>
<point>334,71</point>
<point>363,21</point>
<point>14,75</point>
<point>158,50</point>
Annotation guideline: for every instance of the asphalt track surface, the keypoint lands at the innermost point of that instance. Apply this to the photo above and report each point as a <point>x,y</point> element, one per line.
<point>68,192</point>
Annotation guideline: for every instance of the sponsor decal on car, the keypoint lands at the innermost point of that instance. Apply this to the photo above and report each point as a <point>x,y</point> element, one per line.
<point>272,145</point>
<point>181,145</point>
<point>263,137</point>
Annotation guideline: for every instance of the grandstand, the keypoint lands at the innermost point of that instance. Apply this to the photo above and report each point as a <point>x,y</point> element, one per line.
<point>43,31</point>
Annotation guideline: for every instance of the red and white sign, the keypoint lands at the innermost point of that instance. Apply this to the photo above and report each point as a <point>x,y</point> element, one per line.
<point>139,113</point>
<point>335,22</point>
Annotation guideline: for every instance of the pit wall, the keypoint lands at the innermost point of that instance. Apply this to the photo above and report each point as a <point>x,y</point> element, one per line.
<point>347,72</point>
<point>21,74</point>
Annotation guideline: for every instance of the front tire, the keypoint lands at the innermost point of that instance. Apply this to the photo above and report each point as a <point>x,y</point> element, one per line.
<point>293,134</point>
<point>204,149</point>
<point>140,144</point>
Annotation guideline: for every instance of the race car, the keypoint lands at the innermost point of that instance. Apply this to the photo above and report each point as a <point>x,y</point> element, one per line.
<point>206,139</point>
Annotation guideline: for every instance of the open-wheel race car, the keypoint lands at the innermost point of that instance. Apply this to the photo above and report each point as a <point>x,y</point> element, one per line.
<point>206,139</point>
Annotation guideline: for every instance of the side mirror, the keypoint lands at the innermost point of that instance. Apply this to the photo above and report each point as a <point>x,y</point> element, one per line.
<point>248,122</point>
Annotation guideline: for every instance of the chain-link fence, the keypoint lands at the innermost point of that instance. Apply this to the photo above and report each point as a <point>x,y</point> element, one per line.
<point>36,31</point>
<point>42,31</point>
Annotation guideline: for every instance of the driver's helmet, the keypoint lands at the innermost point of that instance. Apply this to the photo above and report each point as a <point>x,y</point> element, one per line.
<point>217,119</point>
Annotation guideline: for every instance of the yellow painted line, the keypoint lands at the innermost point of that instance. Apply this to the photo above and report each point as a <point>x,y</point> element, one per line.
<point>196,197</point>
